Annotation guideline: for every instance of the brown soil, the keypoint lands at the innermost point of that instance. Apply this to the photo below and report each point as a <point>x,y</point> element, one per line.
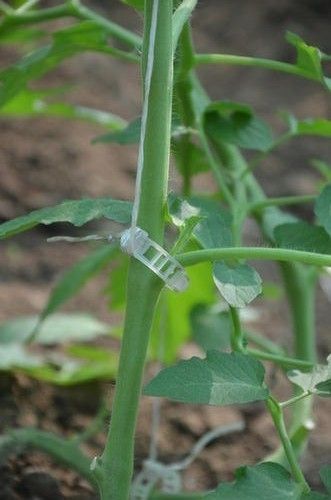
<point>44,161</point>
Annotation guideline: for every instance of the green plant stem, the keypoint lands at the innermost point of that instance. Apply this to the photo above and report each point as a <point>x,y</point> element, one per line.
<point>182,91</point>
<point>283,361</point>
<point>254,62</point>
<point>282,201</point>
<point>114,472</point>
<point>237,336</point>
<point>254,253</point>
<point>69,9</point>
<point>300,288</point>
<point>278,419</point>
<point>295,399</point>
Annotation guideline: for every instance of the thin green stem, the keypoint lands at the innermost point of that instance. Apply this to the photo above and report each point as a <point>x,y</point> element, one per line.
<point>282,201</point>
<point>283,361</point>
<point>115,468</point>
<point>293,400</point>
<point>254,253</point>
<point>237,336</point>
<point>70,9</point>
<point>278,419</point>
<point>253,62</point>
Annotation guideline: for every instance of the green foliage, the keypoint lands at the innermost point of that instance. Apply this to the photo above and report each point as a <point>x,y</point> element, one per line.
<point>219,379</point>
<point>236,123</point>
<point>172,327</point>
<point>38,103</point>
<point>66,42</point>
<point>309,59</point>
<point>77,212</point>
<point>211,328</point>
<point>74,279</point>
<point>56,329</point>
<point>137,4</point>
<point>266,480</point>
<point>312,126</point>
<point>128,135</point>
<point>238,284</point>
<point>323,208</point>
<point>303,236</point>
<point>318,381</point>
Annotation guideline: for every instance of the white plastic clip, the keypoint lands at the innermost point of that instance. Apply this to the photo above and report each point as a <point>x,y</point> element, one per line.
<point>136,242</point>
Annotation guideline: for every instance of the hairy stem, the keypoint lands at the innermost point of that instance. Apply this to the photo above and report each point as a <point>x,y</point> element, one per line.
<point>115,470</point>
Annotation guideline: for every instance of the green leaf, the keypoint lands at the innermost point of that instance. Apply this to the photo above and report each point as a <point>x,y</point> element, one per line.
<point>309,59</point>
<point>323,208</point>
<point>74,279</point>
<point>215,228</point>
<point>195,160</point>
<point>263,481</point>
<point>303,236</point>
<point>128,135</point>
<point>71,372</point>
<point>211,329</point>
<point>137,4</point>
<point>318,381</point>
<point>236,123</point>
<point>66,42</point>
<point>273,217</point>
<point>36,103</point>
<point>77,212</point>
<point>57,328</point>
<point>325,473</point>
<point>238,285</point>
<point>172,324</point>
<point>312,126</point>
<point>116,287</point>
<point>219,379</point>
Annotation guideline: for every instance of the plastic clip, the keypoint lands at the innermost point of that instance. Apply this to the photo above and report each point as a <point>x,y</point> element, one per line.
<point>136,242</point>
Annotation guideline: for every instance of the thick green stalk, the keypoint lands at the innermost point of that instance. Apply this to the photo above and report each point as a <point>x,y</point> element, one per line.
<point>115,468</point>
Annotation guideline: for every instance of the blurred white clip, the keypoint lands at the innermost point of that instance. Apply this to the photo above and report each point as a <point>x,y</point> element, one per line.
<point>136,242</point>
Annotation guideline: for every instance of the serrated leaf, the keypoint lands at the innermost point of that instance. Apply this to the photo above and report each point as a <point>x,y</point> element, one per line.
<point>236,124</point>
<point>219,379</point>
<point>323,208</point>
<point>317,381</point>
<point>74,279</point>
<point>77,212</point>
<point>303,236</point>
<point>57,328</point>
<point>211,329</point>
<point>238,285</point>
<point>215,228</point>
<point>309,59</point>
<point>263,481</point>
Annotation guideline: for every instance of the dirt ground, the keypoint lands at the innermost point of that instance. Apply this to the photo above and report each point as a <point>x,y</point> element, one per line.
<point>43,161</point>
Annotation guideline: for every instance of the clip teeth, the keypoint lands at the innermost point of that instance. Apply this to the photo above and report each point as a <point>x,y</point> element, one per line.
<point>136,242</point>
